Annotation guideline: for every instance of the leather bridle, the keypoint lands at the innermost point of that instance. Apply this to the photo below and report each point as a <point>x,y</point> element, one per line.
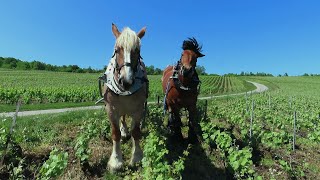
<point>119,67</point>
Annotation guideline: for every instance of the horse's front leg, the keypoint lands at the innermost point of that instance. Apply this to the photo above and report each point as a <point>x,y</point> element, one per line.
<point>137,153</point>
<point>194,133</point>
<point>125,135</point>
<point>115,161</point>
<point>175,124</point>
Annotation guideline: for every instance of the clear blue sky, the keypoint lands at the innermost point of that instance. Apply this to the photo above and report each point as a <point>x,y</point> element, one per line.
<point>241,35</point>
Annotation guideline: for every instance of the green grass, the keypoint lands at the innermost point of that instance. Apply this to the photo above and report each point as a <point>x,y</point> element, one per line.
<point>46,131</point>
<point>31,107</point>
<point>51,90</point>
<point>294,86</point>
<point>39,134</point>
<point>262,80</point>
<point>218,85</point>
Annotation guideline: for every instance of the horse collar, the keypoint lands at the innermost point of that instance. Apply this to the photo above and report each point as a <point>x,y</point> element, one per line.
<point>114,85</point>
<point>178,84</point>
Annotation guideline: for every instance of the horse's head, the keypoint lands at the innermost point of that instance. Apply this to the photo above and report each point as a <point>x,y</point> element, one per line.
<point>191,53</point>
<point>127,54</point>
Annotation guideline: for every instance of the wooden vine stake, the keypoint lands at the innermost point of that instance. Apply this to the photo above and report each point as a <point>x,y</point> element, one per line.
<point>205,110</point>
<point>10,132</point>
<point>251,119</point>
<point>247,108</point>
<point>269,101</point>
<point>294,130</point>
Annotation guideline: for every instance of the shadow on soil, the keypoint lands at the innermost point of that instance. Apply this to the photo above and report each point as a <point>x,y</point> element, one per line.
<point>198,164</point>
<point>95,170</point>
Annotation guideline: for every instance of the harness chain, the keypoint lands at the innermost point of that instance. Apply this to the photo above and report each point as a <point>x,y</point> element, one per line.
<point>112,84</point>
<point>196,84</point>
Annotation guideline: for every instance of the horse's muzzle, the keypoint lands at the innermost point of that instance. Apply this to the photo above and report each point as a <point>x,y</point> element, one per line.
<point>125,83</point>
<point>187,72</point>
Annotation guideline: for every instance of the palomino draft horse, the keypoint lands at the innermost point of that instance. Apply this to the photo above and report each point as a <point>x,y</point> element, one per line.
<point>180,85</point>
<point>125,92</point>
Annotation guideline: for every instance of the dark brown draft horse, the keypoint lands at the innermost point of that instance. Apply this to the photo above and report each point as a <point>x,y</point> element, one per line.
<point>125,92</point>
<point>180,85</point>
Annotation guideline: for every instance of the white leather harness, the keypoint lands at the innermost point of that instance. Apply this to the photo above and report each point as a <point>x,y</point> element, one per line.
<point>113,84</point>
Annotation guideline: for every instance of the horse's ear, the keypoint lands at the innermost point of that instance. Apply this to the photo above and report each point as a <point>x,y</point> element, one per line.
<point>141,33</point>
<point>115,31</point>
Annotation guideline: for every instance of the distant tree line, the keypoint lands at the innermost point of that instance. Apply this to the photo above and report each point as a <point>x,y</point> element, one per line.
<point>306,74</point>
<point>151,70</point>
<point>249,74</point>
<point>201,70</point>
<point>265,74</point>
<point>13,63</point>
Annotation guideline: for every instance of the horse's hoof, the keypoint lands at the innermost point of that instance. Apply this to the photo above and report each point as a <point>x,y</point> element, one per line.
<point>115,164</point>
<point>136,157</point>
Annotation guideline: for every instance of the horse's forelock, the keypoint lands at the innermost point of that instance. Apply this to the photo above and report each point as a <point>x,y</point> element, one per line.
<point>128,40</point>
<point>192,44</point>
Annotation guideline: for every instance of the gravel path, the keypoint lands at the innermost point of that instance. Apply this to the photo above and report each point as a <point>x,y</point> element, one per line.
<point>260,88</point>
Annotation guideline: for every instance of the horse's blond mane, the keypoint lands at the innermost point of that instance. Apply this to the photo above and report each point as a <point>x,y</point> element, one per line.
<point>128,40</point>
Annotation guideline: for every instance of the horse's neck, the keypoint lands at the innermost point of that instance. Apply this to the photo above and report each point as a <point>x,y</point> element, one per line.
<point>185,81</point>
<point>189,82</point>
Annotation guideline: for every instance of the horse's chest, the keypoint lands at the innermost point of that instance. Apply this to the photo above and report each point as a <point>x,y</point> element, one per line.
<point>182,98</point>
<point>122,104</point>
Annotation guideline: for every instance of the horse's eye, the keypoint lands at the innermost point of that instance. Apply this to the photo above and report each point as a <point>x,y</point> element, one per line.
<point>116,50</point>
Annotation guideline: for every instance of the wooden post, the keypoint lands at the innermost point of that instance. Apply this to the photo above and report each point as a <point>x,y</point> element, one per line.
<point>206,107</point>
<point>251,119</point>
<point>247,108</point>
<point>294,130</point>
<point>10,132</point>
<point>269,101</point>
